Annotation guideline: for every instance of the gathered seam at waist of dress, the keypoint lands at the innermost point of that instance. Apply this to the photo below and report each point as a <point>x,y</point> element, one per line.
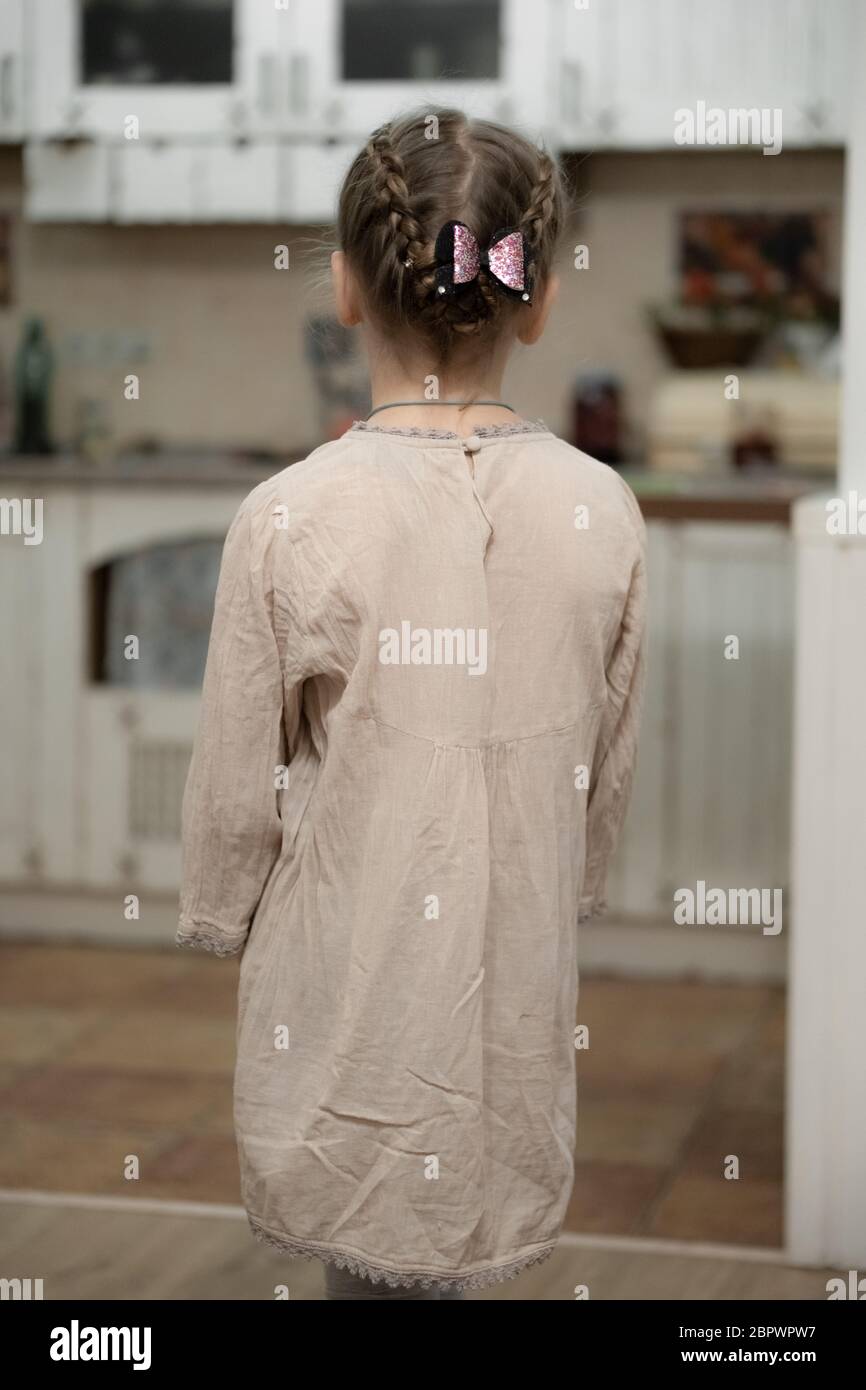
<point>484,743</point>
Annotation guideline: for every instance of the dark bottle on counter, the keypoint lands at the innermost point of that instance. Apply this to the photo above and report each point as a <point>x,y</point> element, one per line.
<point>34,368</point>
<point>755,444</point>
<point>597,418</point>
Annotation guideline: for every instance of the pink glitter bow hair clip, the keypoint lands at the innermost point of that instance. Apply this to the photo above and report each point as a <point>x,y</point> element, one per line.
<point>459,259</point>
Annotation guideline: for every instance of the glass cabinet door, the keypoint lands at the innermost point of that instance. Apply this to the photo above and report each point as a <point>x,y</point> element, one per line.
<point>155,43</point>
<point>356,62</point>
<point>420,41</point>
<point>182,67</point>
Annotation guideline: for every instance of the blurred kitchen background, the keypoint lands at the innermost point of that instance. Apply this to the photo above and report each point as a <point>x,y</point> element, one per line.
<point>167,181</point>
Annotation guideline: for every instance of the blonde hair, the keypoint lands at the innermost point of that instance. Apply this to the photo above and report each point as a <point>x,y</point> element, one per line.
<point>400,189</point>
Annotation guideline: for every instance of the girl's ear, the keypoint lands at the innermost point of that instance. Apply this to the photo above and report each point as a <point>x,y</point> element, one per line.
<point>345,292</point>
<point>532,325</point>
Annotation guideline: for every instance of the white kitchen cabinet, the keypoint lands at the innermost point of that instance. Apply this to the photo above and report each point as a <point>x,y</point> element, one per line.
<point>312,172</point>
<point>250,181</point>
<point>585,88</point>
<point>257,180</point>
<point>11,70</point>
<point>729,816</point>
<point>712,788</point>
<point>786,55</point>
<point>211,70</point>
<point>93,771</point>
<point>160,183</point>
<point>185,181</point>
<point>262,63</point>
<point>68,181</point>
<point>139,751</point>
<point>829,72</point>
<point>622,68</point>
<point>241,183</point>
<point>137,743</point>
<point>354,63</point>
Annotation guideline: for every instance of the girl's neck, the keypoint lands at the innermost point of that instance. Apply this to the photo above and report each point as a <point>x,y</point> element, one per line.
<point>392,384</point>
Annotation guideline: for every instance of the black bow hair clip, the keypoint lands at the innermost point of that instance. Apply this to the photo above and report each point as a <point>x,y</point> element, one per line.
<point>459,259</point>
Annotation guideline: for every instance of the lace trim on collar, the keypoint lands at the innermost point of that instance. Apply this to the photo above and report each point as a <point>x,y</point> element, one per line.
<point>430,432</point>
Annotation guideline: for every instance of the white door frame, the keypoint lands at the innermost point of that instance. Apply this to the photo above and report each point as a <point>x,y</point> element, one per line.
<point>825,1193</point>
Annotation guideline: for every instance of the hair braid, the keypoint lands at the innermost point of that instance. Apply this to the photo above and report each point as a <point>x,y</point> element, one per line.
<point>539,222</point>
<point>408,243</point>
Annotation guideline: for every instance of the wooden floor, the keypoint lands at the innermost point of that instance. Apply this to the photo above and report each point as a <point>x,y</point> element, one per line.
<point>97,1254</point>
<point>108,1052</point>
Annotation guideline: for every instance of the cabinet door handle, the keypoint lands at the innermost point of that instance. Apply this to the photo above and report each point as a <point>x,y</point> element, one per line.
<point>569,92</point>
<point>199,189</point>
<point>267,84</point>
<point>7,87</point>
<point>299,84</point>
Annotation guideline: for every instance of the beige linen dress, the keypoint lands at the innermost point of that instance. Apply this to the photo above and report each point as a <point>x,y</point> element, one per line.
<point>415,750</point>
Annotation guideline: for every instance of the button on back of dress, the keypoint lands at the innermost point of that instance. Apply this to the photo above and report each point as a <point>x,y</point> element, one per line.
<point>471,445</point>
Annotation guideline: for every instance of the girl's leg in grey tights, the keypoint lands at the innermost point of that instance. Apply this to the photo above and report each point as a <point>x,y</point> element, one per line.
<point>340,1285</point>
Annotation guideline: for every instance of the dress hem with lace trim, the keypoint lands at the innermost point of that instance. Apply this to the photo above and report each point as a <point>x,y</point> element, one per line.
<point>394,1278</point>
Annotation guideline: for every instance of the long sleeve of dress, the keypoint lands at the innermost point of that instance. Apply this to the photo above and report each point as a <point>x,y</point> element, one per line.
<point>612,774</point>
<point>231,825</point>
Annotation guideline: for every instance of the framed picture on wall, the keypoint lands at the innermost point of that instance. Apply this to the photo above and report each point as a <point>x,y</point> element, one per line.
<point>771,261</point>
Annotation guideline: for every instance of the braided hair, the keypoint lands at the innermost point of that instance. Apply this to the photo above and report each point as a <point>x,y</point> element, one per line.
<point>410,177</point>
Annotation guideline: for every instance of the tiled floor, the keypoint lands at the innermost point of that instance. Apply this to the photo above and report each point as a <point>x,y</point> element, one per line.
<point>676,1078</point>
<point>113,1056</point>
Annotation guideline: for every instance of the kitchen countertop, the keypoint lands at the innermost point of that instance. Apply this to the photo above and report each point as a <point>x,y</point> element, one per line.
<point>171,468</point>
<point>763,497</point>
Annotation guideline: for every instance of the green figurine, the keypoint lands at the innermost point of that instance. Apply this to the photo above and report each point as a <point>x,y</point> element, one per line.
<point>34,367</point>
